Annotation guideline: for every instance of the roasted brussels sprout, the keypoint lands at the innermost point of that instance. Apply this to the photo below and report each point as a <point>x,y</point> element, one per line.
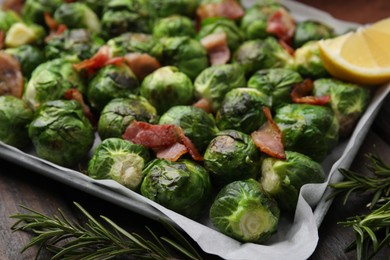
<point>348,101</point>
<point>15,116</point>
<point>214,82</point>
<point>306,31</point>
<point>232,156</point>
<point>50,81</point>
<point>283,179</point>
<point>216,25</point>
<point>308,129</point>
<point>242,210</point>
<point>96,5</point>
<point>34,10</point>
<point>197,125</point>
<point>241,110</point>
<point>169,7</point>
<point>120,112</point>
<point>182,186</point>
<point>74,45</point>
<point>167,87</point>
<point>111,81</point>
<point>308,61</point>
<point>77,15</point>
<point>135,42</point>
<point>254,22</point>
<point>122,16</point>
<point>275,83</point>
<point>7,19</point>
<point>21,33</point>
<point>185,53</point>
<point>61,133</point>
<point>120,160</point>
<point>254,55</point>
<point>28,56</point>
<point>174,25</point>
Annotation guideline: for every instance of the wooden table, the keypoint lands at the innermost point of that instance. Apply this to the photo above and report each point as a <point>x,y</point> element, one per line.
<point>20,186</point>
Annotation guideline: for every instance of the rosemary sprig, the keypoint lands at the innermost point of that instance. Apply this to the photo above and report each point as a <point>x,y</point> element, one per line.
<point>69,240</point>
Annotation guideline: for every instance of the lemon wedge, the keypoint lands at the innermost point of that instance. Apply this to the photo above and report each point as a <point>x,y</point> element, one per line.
<point>362,57</point>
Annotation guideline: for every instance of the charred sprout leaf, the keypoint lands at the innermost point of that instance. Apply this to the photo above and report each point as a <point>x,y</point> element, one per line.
<point>308,61</point>
<point>28,56</point>
<point>311,31</point>
<point>175,25</point>
<point>97,239</point>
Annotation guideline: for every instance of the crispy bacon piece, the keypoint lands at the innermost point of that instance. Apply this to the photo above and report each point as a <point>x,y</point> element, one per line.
<point>15,5</point>
<point>269,137</point>
<point>172,153</point>
<point>11,78</point>
<point>287,47</point>
<point>217,48</point>
<point>282,25</point>
<point>74,94</point>
<point>96,62</point>
<point>142,64</point>
<point>2,38</point>
<point>230,9</point>
<point>204,104</point>
<point>160,138</point>
<point>301,93</point>
<point>50,22</point>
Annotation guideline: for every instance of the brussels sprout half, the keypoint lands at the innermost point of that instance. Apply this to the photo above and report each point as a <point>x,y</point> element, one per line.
<point>111,81</point>
<point>15,115</point>
<point>308,129</point>
<point>308,61</point>
<point>232,156</point>
<point>275,83</point>
<point>7,19</point>
<point>182,186</point>
<point>306,31</point>
<point>214,82</point>
<point>283,179</point>
<point>241,110</point>
<point>197,125</point>
<point>120,160</point>
<point>61,133</point>
<point>167,87</point>
<point>118,114</point>
<point>242,210</point>
<point>348,101</point>
<point>21,33</point>
<point>28,56</point>
<point>174,25</point>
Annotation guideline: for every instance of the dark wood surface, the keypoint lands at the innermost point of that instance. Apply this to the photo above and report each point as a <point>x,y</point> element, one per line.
<point>21,186</point>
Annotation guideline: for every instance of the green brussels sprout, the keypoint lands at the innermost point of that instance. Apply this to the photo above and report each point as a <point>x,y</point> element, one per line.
<point>167,87</point>
<point>182,186</point>
<point>175,25</point>
<point>135,42</point>
<point>216,25</point>
<point>74,45</point>
<point>28,56</point>
<point>15,115</point>
<point>185,53</point>
<point>306,31</point>
<point>96,5</point>
<point>7,19</point>
<point>111,81</point>
<point>121,16</point>
<point>232,156</point>
<point>283,179</point>
<point>214,82</point>
<point>308,61</point>
<point>166,8</point>
<point>118,114</point>
<point>34,10</point>
<point>254,22</point>
<point>275,83</point>
<point>308,129</point>
<point>241,110</point>
<point>243,210</point>
<point>50,81</point>
<point>120,160</point>
<point>197,125</point>
<point>21,34</point>
<point>254,55</point>
<point>348,101</point>
<point>61,133</point>
<point>77,15</point>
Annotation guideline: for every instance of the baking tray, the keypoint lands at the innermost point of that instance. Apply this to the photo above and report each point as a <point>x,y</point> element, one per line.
<point>299,234</point>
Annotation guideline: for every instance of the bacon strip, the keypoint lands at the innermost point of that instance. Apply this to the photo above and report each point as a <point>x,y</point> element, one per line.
<point>96,62</point>
<point>301,93</point>
<point>204,104</point>
<point>11,77</point>
<point>142,64</point>
<point>172,153</point>
<point>282,25</point>
<point>269,137</point>
<point>2,38</point>
<point>217,48</point>
<point>161,138</point>
<point>230,9</point>
<point>74,94</point>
